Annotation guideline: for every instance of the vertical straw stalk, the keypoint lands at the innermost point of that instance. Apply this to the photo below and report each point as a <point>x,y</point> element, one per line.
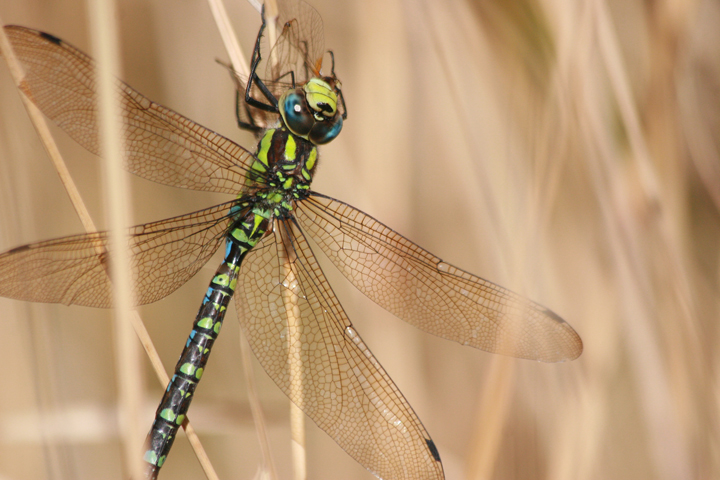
<point>104,32</point>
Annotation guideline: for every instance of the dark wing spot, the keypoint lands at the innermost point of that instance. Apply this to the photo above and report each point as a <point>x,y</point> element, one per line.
<point>552,315</point>
<point>104,259</point>
<point>51,38</point>
<point>433,449</point>
<point>19,249</point>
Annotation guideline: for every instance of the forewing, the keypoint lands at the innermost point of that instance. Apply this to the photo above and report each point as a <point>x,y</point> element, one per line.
<point>72,270</point>
<point>305,342</point>
<point>426,292</point>
<point>162,146</point>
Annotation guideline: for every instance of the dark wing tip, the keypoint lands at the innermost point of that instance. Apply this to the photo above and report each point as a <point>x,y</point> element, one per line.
<point>46,36</point>
<point>51,38</point>
<point>17,249</point>
<point>552,314</point>
<point>433,449</point>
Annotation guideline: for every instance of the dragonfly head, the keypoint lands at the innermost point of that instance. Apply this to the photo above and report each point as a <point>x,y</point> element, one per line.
<point>311,111</point>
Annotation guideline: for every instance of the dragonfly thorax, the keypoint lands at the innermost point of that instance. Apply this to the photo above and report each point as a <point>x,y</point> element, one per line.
<point>283,169</point>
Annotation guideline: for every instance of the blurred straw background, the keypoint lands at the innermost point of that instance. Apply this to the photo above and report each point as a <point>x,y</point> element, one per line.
<point>567,150</point>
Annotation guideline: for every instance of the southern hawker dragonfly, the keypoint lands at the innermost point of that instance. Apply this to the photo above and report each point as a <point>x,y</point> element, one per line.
<point>286,307</point>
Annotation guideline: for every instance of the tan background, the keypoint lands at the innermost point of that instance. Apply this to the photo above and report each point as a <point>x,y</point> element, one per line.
<point>565,149</point>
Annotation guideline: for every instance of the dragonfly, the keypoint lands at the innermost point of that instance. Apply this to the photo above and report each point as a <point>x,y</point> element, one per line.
<point>288,311</point>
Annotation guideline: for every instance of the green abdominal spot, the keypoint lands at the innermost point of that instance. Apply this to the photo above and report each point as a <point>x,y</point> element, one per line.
<point>206,323</point>
<point>168,415</point>
<point>151,457</point>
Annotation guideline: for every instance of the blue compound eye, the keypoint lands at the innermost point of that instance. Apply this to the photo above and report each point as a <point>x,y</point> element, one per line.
<point>295,112</point>
<point>324,132</point>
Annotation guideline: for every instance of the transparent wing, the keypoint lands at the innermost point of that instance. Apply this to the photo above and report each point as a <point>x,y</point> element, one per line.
<point>305,342</point>
<point>426,292</point>
<point>162,146</point>
<point>300,43</point>
<point>72,270</point>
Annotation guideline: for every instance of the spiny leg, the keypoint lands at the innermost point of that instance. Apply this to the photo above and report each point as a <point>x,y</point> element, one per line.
<point>254,62</point>
<point>332,73</point>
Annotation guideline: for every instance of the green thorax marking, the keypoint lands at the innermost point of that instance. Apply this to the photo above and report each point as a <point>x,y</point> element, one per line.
<point>282,171</point>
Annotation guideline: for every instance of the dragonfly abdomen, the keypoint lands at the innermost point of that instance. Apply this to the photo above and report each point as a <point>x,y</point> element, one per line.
<point>243,235</point>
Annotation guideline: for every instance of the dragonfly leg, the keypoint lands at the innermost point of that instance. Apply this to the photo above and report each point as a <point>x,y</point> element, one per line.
<point>332,72</point>
<point>242,124</point>
<point>254,79</point>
